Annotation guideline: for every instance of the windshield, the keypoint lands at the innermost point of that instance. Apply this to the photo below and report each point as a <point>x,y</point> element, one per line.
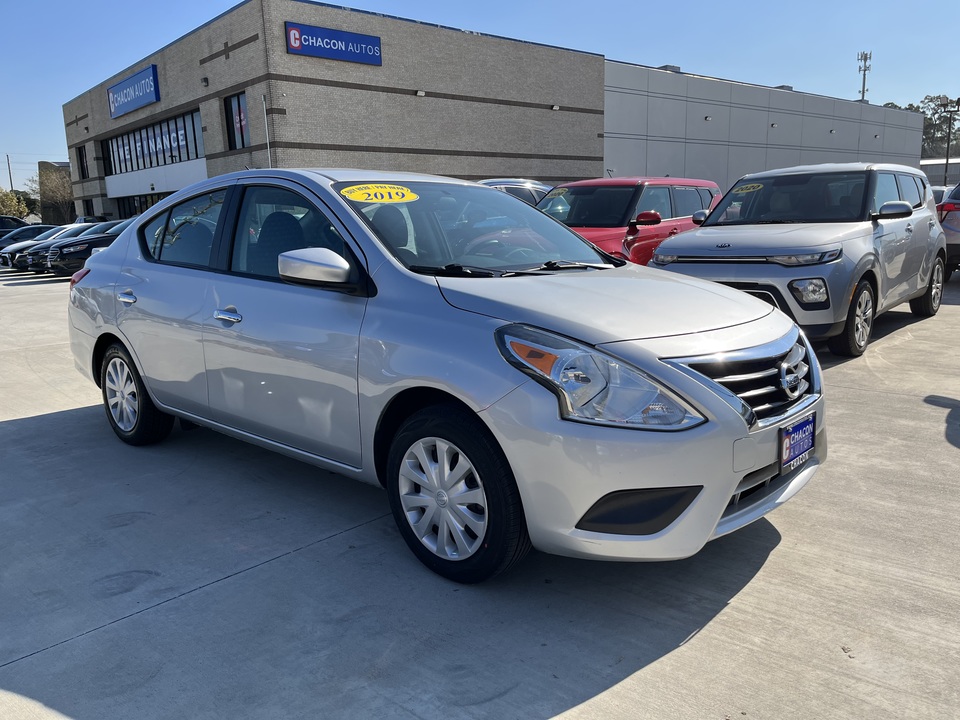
<point>100,228</point>
<point>807,198</point>
<point>121,226</point>
<point>433,226</point>
<point>597,206</point>
<point>47,234</point>
<point>72,232</point>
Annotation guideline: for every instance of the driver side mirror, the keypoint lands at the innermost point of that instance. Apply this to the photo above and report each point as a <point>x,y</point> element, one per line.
<point>314,266</point>
<point>698,217</point>
<point>893,210</point>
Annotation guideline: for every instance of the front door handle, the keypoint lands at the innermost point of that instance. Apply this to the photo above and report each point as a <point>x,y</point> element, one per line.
<point>674,231</point>
<point>127,297</point>
<point>227,316</point>
<point>908,229</point>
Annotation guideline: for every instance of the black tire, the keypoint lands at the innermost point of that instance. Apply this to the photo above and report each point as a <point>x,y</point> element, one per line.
<point>501,542</point>
<point>859,325</point>
<point>927,304</point>
<point>134,417</point>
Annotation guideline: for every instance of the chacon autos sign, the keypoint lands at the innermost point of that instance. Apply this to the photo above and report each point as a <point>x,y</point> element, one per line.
<point>134,92</point>
<point>332,44</point>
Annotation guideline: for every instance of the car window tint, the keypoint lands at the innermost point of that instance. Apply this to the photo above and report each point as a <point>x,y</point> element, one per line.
<point>188,236</point>
<point>521,193</point>
<point>885,191</point>
<point>657,199</point>
<point>590,205</point>
<point>686,201</point>
<point>276,220</point>
<point>706,197</point>
<point>908,190</point>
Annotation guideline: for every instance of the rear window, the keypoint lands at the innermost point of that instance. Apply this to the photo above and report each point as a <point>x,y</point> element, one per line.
<point>590,205</point>
<point>955,193</point>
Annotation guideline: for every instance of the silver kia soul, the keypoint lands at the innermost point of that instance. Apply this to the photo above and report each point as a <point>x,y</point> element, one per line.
<point>470,354</point>
<point>830,245</point>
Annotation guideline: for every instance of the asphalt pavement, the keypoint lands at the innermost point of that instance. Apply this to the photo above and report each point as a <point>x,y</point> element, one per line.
<point>206,578</point>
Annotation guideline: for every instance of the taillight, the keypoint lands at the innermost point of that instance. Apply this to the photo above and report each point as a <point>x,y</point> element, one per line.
<point>78,276</point>
<point>946,207</point>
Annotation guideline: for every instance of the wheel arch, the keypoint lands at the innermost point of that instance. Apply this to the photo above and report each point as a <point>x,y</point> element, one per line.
<point>402,406</point>
<point>100,349</point>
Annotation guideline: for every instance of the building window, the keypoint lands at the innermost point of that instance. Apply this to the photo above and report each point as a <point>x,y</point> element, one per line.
<point>161,143</point>
<point>82,162</point>
<point>238,132</point>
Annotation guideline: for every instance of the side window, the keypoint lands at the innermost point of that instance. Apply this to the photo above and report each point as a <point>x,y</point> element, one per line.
<point>521,193</point>
<point>184,236</point>
<point>908,190</point>
<point>687,201</point>
<point>706,197</point>
<point>885,191</point>
<point>657,199</point>
<point>276,220</point>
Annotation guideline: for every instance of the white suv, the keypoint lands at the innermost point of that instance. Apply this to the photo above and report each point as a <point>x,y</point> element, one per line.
<point>830,245</point>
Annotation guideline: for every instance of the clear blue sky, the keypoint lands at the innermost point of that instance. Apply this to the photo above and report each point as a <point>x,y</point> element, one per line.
<point>54,50</point>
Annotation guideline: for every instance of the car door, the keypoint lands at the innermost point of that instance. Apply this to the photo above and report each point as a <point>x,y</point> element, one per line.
<point>161,296</point>
<point>281,358</point>
<point>655,198</point>
<point>890,238</point>
<point>918,232</point>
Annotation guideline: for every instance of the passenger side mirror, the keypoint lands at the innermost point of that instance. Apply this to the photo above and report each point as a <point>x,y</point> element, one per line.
<point>313,266</point>
<point>893,210</point>
<point>648,217</point>
<point>698,217</point>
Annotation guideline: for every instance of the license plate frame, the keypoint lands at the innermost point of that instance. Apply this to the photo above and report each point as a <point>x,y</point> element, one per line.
<point>797,443</point>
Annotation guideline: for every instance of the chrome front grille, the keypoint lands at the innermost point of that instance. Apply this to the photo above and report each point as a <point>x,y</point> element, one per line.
<point>770,380</point>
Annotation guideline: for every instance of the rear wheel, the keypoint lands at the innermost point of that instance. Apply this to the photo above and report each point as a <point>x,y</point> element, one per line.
<point>856,331</point>
<point>130,411</point>
<point>454,497</point>
<point>927,304</point>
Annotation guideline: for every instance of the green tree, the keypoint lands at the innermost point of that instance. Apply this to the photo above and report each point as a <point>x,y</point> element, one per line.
<point>11,204</point>
<point>52,188</point>
<point>935,125</point>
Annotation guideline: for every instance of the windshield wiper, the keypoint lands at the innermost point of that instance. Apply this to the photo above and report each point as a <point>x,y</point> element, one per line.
<point>551,265</point>
<point>454,270</point>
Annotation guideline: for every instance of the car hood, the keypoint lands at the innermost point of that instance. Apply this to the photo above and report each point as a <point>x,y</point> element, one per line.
<point>602,306</point>
<point>84,240</point>
<point>752,240</point>
<point>17,247</point>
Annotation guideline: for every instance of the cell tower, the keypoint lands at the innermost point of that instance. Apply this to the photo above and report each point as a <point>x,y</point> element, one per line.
<point>864,60</point>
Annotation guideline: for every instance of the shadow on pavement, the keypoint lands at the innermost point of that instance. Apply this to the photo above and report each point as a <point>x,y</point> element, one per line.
<point>952,432</point>
<point>207,577</point>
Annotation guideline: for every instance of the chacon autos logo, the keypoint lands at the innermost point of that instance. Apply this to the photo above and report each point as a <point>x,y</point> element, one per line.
<point>294,38</point>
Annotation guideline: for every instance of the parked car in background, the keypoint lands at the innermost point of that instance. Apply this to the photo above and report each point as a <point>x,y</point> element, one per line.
<point>65,257</point>
<point>21,234</point>
<point>39,255</point>
<point>939,191</point>
<point>629,217</point>
<point>8,223</point>
<point>948,213</point>
<point>530,191</point>
<point>499,383</point>
<point>34,257</point>
<point>8,253</point>
<point>831,245</point>
<point>90,219</point>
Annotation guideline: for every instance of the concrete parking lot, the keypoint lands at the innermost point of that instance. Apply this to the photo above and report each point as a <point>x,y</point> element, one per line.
<point>206,578</point>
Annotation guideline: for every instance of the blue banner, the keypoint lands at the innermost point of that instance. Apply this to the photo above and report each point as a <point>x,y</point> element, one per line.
<point>332,44</point>
<point>134,92</point>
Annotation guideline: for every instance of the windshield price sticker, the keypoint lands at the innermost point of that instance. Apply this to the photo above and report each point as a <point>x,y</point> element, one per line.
<point>557,192</point>
<point>379,193</point>
<point>796,443</point>
<point>743,189</point>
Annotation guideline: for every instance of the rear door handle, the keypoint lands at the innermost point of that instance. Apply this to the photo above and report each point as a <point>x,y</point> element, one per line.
<point>127,297</point>
<point>227,316</point>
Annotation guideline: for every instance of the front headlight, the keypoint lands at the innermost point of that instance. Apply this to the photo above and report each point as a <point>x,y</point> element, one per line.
<point>593,387</point>
<point>663,259</point>
<point>76,248</point>
<point>806,259</point>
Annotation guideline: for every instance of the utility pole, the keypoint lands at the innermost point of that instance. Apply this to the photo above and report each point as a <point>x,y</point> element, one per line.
<point>864,58</point>
<point>9,172</point>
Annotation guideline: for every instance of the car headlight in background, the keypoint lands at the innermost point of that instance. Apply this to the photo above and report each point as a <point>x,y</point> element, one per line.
<point>810,291</point>
<point>593,387</point>
<point>75,248</point>
<point>806,259</point>
<point>663,259</point>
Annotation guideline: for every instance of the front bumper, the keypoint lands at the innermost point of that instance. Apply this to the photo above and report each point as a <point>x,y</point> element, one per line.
<point>564,468</point>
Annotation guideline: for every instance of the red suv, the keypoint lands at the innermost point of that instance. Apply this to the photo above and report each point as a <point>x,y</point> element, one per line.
<point>629,217</point>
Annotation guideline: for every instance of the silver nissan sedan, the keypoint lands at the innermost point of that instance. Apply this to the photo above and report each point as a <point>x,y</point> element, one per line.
<point>507,383</point>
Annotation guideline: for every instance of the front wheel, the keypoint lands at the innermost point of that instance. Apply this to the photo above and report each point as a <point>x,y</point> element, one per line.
<point>927,304</point>
<point>454,497</point>
<point>856,331</point>
<point>130,411</point>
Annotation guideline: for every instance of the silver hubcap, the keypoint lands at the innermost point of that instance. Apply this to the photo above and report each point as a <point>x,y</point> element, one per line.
<point>936,286</point>
<point>443,499</point>
<point>864,319</point>
<point>123,401</point>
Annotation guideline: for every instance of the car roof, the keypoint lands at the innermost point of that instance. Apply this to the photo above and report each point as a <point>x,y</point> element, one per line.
<point>516,182</point>
<point>832,168</point>
<point>630,181</point>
